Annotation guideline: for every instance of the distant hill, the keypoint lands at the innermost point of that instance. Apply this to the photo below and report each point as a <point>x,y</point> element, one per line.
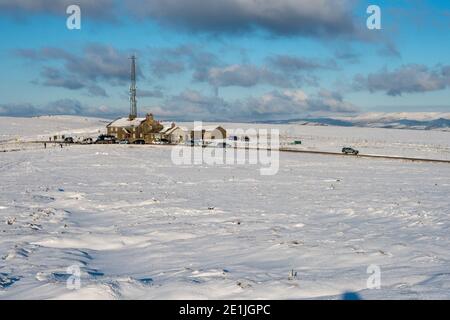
<point>12,128</point>
<point>400,120</point>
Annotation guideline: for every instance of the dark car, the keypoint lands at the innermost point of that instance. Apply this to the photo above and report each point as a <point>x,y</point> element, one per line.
<point>139,142</point>
<point>163,141</point>
<point>347,150</point>
<point>222,145</point>
<point>68,140</point>
<point>87,141</point>
<point>194,143</point>
<point>105,139</point>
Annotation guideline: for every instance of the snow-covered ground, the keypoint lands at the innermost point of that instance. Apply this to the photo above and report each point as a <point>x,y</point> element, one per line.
<point>15,133</point>
<point>12,128</point>
<point>139,226</point>
<point>392,142</point>
<point>426,144</point>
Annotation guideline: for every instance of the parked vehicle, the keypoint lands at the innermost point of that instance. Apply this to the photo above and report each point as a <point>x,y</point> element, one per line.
<point>222,145</point>
<point>124,142</point>
<point>139,142</point>
<point>348,150</point>
<point>207,143</point>
<point>105,139</point>
<point>193,143</point>
<point>68,140</point>
<point>87,141</point>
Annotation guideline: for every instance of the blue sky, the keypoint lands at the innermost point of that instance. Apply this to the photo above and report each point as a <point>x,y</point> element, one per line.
<point>225,59</point>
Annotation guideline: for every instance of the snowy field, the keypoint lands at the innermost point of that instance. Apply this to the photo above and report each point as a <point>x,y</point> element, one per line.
<point>43,127</point>
<point>428,144</point>
<point>16,132</point>
<point>140,227</point>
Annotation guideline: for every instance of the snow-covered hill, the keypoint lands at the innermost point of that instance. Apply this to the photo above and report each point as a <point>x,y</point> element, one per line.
<point>12,128</point>
<point>395,120</point>
<point>401,120</point>
<point>419,116</point>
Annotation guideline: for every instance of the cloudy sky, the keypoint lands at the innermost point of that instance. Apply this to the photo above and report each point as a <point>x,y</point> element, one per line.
<point>244,60</point>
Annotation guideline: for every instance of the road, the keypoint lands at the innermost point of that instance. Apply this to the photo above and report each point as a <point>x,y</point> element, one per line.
<point>284,149</point>
<point>364,155</point>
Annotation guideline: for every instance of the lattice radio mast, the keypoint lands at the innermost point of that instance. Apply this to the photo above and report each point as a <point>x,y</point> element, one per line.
<point>133,100</point>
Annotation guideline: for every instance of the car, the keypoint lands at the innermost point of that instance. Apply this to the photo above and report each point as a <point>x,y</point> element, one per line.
<point>222,145</point>
<point>87,141</point>
<point>194,143</point>
<point>139,142</point>
<point>68,140</point>
<point>348,150</point>
<point>124,141</point>
<point>207,143</point>
<point>105,139</point>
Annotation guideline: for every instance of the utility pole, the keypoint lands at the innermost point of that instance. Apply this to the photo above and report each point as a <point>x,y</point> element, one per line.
<point>133,101</point>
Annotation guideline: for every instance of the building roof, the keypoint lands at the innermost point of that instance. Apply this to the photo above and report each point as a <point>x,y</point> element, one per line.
<point>126,123</point>
<point>172,130</point>
<point>166,126</point>
<point>170,127</point>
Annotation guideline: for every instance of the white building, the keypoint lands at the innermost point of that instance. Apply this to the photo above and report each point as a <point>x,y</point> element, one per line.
<point>208,133</point>
<point>171,133</point>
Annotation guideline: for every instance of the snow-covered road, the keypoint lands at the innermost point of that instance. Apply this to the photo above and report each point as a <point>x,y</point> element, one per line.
<point>140,227</point>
